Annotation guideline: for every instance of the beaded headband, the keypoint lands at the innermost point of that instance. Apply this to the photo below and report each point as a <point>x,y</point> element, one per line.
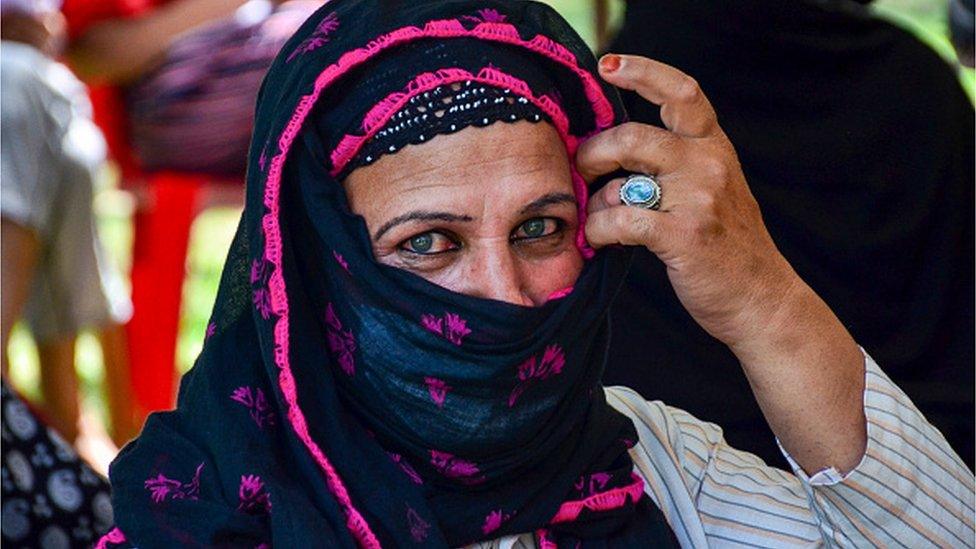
<point>444,110</point>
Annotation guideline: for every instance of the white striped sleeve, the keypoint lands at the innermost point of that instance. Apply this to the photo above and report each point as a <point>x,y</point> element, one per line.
<point>909,490</point>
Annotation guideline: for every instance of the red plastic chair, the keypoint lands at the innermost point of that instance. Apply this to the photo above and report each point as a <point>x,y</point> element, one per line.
<point>167,204</point>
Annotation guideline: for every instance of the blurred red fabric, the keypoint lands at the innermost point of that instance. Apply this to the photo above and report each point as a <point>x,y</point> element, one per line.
<point>161,230</point>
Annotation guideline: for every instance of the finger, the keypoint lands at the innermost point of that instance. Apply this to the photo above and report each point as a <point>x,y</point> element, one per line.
<point>629,226</point>
<point>684,108</point>
<point>607,197</point>
<point>631,146</point>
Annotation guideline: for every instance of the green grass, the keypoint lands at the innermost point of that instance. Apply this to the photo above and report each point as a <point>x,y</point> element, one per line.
<point>213,230</point>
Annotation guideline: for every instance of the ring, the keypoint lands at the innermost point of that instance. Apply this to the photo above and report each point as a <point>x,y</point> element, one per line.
<point>642,191</point>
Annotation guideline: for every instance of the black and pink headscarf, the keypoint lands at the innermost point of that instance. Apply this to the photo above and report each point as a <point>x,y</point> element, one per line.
<point>341,402</point>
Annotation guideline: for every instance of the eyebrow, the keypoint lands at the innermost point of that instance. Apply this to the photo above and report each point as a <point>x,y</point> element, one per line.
<point>547,200</point>
<point>420,215</point>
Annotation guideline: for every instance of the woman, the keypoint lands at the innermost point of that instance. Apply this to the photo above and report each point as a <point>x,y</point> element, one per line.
<point>410,333</point>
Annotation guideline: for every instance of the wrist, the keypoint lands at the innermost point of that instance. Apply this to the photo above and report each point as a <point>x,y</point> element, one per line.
<point>792,325</point>
<point>778,320</point>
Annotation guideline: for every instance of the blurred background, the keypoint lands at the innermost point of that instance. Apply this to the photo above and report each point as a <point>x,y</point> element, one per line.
<point>213,229</point>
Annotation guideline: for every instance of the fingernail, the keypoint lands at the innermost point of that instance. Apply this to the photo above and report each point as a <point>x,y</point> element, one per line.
<point>610,62</point>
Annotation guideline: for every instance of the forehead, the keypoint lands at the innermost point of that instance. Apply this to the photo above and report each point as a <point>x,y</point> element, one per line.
<point>503,157</point>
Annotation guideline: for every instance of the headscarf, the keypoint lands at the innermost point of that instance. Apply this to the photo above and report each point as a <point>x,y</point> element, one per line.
<point>857,142</point>
<point>340,402</point>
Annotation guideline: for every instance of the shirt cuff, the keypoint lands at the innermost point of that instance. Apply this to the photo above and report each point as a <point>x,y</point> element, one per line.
<point>831,476</point>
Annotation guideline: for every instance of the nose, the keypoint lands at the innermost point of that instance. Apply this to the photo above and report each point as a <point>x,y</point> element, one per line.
<point>494,274</point>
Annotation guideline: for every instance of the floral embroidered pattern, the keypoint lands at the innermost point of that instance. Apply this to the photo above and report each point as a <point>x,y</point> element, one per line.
<point>494,521</point>
<point>418,526</point>
<point>456,468</point>
<point>587,485</point>
<point>252,496</point>
<point>162,488</point>
<point>260,274</point>
<point>318,38</point>
<point>256,404</point>
<point>263,159</point>
<point>406,467</point>
<point>341,261</point>
<point>486,15</point>
<point>452,327</point>
<point>438,390</point>
<point>531,370</point>
<point>341,342</point>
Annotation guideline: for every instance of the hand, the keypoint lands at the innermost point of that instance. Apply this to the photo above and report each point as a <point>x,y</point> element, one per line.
<point>46,32</point>
<point>720,258</point>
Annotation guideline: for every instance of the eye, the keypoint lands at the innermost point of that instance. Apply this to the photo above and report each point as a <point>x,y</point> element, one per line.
<point>428,243</point>
<point>537,228</point>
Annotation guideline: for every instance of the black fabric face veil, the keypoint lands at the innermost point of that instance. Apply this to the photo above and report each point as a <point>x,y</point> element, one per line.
<point>341,402</point>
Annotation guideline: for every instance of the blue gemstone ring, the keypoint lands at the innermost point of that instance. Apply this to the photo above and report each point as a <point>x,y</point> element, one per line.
<point>642,191</point>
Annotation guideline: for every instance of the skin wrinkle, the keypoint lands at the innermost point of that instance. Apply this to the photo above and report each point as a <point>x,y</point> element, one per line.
<point>476,189</point>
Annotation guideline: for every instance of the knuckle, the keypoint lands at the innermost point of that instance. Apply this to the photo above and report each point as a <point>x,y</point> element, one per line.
<point>687,90</point>
<point>709,202</point>
<point>629,136</point>
<point>715,168</point>
<point>640,226</point>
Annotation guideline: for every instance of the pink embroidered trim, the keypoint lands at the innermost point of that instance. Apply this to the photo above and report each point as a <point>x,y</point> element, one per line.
<point>492,31</point>
<point>114,536</point>
<point>605,501</point>
<point>559,294</point>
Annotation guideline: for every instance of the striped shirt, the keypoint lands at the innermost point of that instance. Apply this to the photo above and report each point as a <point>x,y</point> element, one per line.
<point>909,490</point>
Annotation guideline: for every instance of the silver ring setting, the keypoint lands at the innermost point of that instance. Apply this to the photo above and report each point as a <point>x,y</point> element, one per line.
<point>642,191</point>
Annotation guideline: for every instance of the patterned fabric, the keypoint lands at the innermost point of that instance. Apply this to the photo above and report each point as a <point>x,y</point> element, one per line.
<point>51,499</point>
<point>910,489</point>
<point>341,402</point>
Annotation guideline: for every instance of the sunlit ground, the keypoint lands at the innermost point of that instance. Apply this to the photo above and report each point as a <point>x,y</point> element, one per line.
<point>214,229</point>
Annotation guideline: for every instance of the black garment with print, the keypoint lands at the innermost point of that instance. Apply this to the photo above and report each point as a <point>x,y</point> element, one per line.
<point>51,498</point>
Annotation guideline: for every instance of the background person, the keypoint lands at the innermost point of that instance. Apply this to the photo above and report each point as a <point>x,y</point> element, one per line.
<point>55,273</point>
<point>186,73</point>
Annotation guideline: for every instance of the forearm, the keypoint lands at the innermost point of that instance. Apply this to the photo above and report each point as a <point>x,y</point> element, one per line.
<point>119,50</point>
<point>807,374</point>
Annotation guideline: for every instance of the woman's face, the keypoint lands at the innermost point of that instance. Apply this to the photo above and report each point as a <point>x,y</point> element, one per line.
<point>487,212</point>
